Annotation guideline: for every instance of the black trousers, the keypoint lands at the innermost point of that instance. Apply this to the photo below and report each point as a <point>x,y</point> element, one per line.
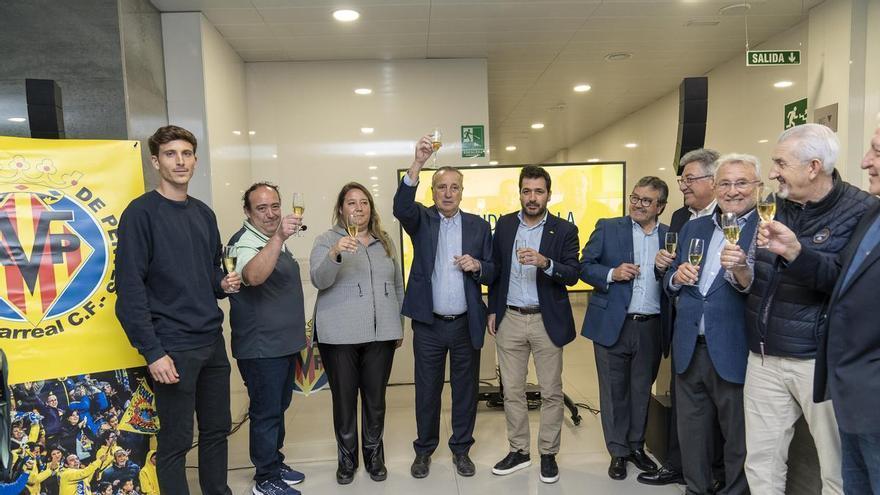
<point>673,450</point>
<point>204,389</point>
<point>431,344</point>
<point>704,398</point>
<point>627,371</point>
<point>354,369</point>
<point>269,383</point>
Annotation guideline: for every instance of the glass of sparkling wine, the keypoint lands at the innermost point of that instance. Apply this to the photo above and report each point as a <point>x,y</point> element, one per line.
<point>230,256</point>
<point>730,227</point>
<point>766,206</point>
<point>299,207</point>
<point>695,252</point>
<point>671,242</point>
<point>351,226</point>
<point>436,143</point>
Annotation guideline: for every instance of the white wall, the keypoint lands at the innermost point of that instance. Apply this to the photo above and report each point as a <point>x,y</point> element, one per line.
<point>307,122</point>
<point>744,108</point>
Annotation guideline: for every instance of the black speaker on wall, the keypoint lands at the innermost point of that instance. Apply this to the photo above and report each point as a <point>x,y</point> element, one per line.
<point>693,105</point>
<point>45,114</point>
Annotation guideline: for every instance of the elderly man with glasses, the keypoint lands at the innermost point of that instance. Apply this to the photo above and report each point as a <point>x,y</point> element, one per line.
<point>623,320</point>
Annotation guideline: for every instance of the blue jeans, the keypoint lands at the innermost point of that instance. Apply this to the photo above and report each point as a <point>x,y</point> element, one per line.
<point>861,462</point>
<point>269,383</point>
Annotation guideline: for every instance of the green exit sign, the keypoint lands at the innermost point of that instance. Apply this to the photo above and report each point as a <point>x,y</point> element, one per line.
<point>773,57</point>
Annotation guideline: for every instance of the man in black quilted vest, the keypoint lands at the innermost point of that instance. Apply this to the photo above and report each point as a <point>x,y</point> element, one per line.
<point>784,316</point>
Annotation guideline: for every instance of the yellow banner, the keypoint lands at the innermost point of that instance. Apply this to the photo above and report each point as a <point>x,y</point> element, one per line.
<point>580,193</point>
<point>60,202</point>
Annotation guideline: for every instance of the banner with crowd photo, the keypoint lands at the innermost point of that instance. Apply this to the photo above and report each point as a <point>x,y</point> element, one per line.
<point>76,381</point>
<point>581,193</point>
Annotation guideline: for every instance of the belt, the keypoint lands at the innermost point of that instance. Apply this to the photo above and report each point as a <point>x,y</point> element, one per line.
<point>449,317</point>
<point>701,339</point>
<point>638,317</point>
<point>527,310</point>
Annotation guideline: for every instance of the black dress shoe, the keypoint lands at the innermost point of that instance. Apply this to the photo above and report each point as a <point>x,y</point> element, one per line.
<point>663,476</point>
<point>344,474</point>
<point>463,465</point>
<point>377,470</point>
<point>617,469</point>
<point>642,461</point>
<point>421,466</point>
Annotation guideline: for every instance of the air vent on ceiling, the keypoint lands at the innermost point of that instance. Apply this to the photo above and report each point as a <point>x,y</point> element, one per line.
<point>701,23</point>
<point>618,56</point>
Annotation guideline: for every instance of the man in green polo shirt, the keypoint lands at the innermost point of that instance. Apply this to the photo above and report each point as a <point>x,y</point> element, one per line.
<point>268,329</point>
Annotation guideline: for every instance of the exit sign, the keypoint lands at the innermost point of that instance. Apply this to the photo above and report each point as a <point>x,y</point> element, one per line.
<point>773,57</point>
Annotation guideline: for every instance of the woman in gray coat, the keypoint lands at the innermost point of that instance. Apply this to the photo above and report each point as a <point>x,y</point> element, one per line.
<point>357,324</point>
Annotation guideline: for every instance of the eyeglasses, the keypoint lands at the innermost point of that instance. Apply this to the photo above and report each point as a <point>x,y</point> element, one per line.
<point>740,185</point>
<point>690,180</point>
<point>645,202</point>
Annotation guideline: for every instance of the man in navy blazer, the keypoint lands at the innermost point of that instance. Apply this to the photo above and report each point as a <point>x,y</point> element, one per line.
<point>709,341</point>
<point>848,358</point>
<point>624,318</point>
<point>443,298</point>
<point>536,255</point>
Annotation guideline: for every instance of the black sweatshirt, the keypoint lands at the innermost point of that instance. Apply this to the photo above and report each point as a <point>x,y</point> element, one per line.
<point>168,275</point>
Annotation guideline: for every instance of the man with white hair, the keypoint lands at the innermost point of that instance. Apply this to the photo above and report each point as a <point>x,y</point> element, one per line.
<point>709,341</point>
<point>785,316</point>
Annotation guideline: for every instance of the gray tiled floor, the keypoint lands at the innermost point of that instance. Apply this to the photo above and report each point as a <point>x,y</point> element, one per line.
<point>583,460</point>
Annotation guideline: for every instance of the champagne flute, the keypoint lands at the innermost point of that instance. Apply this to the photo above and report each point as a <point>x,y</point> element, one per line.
<point>299,207</point>
<point>436,143</point>
<point>352,226</point>
<point>766,206</point>
<point>671,242</point>
<point>730,227</point>
<point>695,252</point>
<point>230,256</point>
<point>520,246</point>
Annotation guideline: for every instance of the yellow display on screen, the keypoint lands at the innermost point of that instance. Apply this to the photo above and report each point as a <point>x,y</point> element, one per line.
<point>581,193</point>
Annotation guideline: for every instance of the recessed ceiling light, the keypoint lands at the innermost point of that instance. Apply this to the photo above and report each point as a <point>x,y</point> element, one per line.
<point>372,167</point>
<point>252,133</point>
<point>16,119</point>
<point>537,125</point>
<point>582,88</point>
<point>762,141</point>
<point>474,164</point>
<point>237,133</point>
<point>783,84</point>
<point>661,168</point>
<point>593,160</point>
<point>370,153</point>
<point>274,155</point>
<point>631,145</point>
<point>367,130</point>
<point>346,15</point>
<point>374,178</point>
<point>363,91</point>
<point>493,162</point>
<point>510,148</point>
<point>618,56</point>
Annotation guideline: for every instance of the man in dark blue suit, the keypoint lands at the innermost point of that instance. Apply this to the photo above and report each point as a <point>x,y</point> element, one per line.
<point>848,358</point>
<point>709,341</point>
<point>536,255</point>
<point>452,258</point>
<point>624,320</point>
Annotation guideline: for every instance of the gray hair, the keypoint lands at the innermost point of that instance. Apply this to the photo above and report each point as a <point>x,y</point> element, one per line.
<point>738,158</point>
<point>814,142</point>
<point>705,156</point>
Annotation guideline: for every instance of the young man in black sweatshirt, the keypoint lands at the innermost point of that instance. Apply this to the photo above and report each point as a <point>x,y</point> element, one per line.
<point>169,279</point>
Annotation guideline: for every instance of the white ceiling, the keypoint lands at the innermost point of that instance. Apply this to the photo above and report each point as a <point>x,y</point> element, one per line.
<point>537,50</point>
